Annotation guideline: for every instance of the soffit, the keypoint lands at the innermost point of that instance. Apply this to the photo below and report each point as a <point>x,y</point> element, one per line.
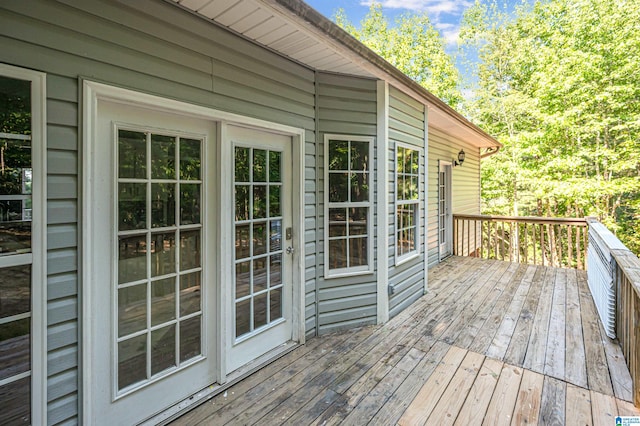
<point>261,23</point>
<point>295,30</point>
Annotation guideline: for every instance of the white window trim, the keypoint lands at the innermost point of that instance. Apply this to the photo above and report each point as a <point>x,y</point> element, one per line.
<point>359,270</point>
<point>38,238</point>
<point>419,203</point>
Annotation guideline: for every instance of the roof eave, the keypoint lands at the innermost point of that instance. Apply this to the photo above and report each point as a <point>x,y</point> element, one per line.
<point>332,32</point>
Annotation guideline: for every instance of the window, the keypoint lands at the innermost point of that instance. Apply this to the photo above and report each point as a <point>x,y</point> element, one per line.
<point>407,201</point>
<point>159,270</point>
<point>21,245</point>
<point>348,205</point>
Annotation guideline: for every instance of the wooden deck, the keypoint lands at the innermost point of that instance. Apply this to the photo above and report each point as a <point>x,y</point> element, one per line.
<point>491,343</point>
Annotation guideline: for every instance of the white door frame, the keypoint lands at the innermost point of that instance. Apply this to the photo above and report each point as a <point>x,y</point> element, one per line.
<point>445,248</point>
<point>92,93</point>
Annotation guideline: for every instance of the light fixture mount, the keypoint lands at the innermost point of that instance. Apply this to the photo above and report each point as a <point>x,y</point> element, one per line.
<point>461,156</point>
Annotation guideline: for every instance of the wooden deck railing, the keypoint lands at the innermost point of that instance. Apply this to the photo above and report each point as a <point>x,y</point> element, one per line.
<point>559,242</point>
<point>627,284</point>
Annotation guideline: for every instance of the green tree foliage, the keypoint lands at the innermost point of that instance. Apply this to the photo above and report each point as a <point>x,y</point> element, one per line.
<point>412,45</point>
<point>559,86</point>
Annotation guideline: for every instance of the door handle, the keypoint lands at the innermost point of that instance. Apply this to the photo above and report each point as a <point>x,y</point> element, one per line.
<point>290,250</point>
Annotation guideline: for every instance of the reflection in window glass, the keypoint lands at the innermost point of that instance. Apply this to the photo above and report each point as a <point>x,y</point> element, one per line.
<point>407,199</point>
<point>159,263</point>
<point>258,238</point>
<point>16,212</point>
<point>15,290</point>
<point>349,203</point>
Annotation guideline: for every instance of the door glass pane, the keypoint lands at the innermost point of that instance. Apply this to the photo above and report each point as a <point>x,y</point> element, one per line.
<point>132,154</point>
<point>132,309</point>
<point>190,289</point>
<point>189,204</point>
<point>132,361</point>
<point>163,301</point>
<point>163,349</point>
<point>243,240</point>
<point>275,270</point>
<point>165,265</point>
<point>163,254</point>
<point>190,338</point>
<point>258,241</point>
<point>163,157</point>
<point>243,279</point>
<point>260,274</point>
<point>16,402</point>
<point>274,166</point>
<point>274,201</point>
<point>132,258</point>
<point>242,202</point>
<point>259,238</point>
<point>242,164</point>
<point>275,304</point>
<point>189,250</point>
<point>15,290</point>
<point>243,317</point>
<point>15,341</point>
<point>132,206</point>
<point>259,202</point>
<point>259,165</point>
<point>189,159</point>
<point>163,205</point>
<point>260,310</point>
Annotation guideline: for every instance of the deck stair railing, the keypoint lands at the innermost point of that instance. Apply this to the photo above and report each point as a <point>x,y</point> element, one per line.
<point>559,242</point>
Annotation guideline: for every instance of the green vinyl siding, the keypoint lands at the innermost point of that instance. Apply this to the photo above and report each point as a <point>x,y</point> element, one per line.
<point>153,47</point>
<point>346,106</point>
<point>406,125</point>
<point>465,183</point>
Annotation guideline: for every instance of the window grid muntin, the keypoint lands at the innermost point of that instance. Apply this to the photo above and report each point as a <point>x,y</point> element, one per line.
<point>266,221</point>
<point>348,205</point>
<point>148,231</point>
<point>407,204</point>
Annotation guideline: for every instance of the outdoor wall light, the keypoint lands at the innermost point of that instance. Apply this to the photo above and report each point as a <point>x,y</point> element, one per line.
<point>461,156</point>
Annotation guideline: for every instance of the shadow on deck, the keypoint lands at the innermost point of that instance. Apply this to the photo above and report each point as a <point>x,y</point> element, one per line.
<point>491,343</point>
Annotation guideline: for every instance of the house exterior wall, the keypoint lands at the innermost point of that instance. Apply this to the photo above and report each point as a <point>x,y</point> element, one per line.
<point>346,105</point>
<point>151,47</point>
<point>407,126</point>
<point>465,183</point>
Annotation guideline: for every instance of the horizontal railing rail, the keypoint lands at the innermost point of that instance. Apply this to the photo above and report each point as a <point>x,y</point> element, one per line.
<point>627,283</point>
<point>558,242</point>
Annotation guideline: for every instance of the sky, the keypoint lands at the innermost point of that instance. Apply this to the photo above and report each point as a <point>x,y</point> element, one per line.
<point>445,15</point>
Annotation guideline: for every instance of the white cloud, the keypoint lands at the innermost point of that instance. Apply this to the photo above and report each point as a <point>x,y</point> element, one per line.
<point>449,32</point>
<point>433,7</point>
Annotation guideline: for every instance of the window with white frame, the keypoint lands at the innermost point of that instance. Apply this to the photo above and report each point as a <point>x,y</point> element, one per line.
<point>21,245</point>
<point>407,201</point>
<point>348,201</point>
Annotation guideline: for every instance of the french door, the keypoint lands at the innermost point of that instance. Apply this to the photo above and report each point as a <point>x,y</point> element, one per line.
<point>260,289</point>
<point>445,215</point>
<point>151,255</point>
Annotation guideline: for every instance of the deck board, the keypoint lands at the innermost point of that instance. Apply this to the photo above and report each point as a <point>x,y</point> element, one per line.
<point>492,343</point>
